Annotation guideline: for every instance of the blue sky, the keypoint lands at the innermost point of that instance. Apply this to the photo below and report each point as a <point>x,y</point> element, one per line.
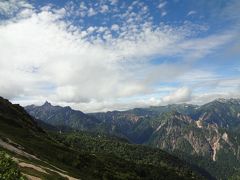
<point>115,54</point>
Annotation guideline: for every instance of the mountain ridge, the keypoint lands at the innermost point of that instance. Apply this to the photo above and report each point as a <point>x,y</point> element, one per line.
<point>209,131</point>
<point>39,153</point>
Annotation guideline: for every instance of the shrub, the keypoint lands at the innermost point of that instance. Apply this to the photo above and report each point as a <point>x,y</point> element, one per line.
<point>8,168</point>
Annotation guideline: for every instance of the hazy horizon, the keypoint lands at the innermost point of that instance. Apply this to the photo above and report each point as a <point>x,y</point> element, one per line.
<point>126,108</point>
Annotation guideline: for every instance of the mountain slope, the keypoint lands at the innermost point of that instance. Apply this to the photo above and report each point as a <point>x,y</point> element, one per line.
<point>100,143</point>
<point>39,154</point>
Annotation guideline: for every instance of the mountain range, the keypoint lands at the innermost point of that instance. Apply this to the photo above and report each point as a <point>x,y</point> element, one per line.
<point>206,135</point>
<point>47,154</point>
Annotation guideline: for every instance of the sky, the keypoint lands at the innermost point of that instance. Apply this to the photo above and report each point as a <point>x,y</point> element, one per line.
<point>119,54</point>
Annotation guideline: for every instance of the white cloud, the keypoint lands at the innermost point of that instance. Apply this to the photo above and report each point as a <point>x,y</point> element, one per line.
<point>162,4</point>
<point>115,27</point>
<point>25,13</point>
<point>145,9</point>
<point>91,30</point>
<point>180,96</point>
<point>9,7</point>
<point>113,2</point>
<point>43,57</point>
<point>164,13</point>
<point>190,13</point>
<point>74,68</point>
<point>83,6</point>
<point>208,97</point>
<point>104,9</point>
<point>91,12</point>
<point>200,47</point>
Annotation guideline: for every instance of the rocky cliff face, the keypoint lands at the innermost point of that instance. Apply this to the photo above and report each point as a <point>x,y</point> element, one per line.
<point>184,134</point>
<point>208,144</point>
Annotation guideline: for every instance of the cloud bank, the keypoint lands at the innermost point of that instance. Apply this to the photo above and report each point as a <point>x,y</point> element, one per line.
<point>44,56</point>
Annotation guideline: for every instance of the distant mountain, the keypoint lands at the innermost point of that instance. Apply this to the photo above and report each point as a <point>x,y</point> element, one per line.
<point>207,135</point>
<point>225,113</point>
<point>43,155</point>
<point>62,117</point>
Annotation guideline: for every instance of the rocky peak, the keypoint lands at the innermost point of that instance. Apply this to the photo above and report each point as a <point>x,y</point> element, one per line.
<point>222,100</point>
<point>68,107</point>
<point>231,100</point>
<point>47,104</point>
